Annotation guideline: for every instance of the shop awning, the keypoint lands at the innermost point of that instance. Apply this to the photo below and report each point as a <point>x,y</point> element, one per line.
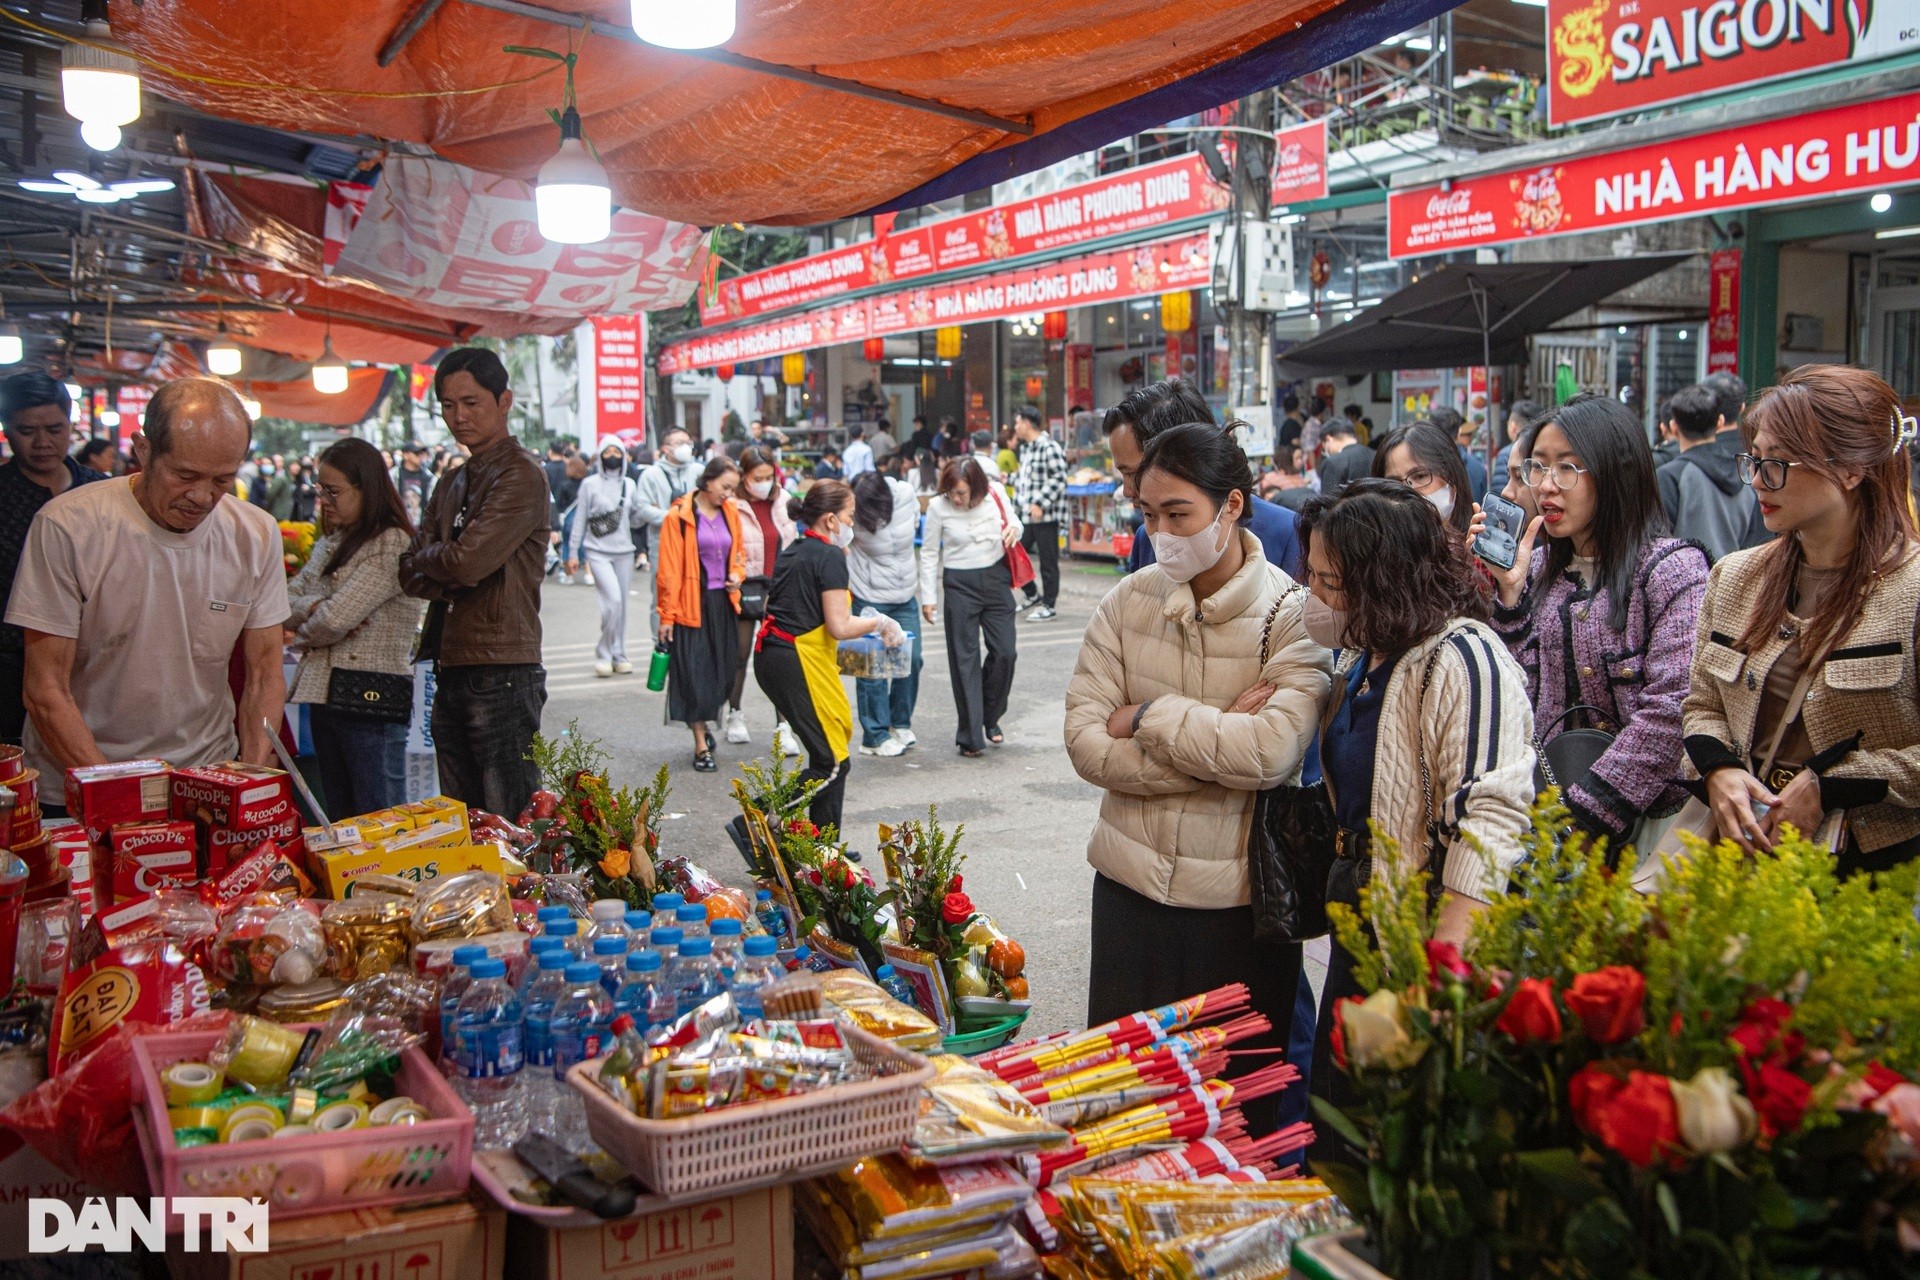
<point>1469,315</point>
<point>813,111</point>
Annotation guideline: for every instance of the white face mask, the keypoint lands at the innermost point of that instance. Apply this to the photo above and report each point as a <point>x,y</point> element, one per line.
<point>843,536</point>
<point>759,489</point>
<point>1326,625</point>
<point>1185,557</point>
<point>1442,500</point>
<point>681,453</point>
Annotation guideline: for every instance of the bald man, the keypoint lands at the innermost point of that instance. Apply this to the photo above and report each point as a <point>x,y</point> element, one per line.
<point>134,591</point>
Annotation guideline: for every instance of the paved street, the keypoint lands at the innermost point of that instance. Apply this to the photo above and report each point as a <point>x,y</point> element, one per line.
<point>1027,815</point>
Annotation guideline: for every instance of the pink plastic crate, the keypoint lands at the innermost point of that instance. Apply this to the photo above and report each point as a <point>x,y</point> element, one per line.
<point>318,1173</point>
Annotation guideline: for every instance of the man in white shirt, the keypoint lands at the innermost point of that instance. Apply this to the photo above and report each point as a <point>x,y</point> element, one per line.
<point>859,454</point>
<point>134,592</point>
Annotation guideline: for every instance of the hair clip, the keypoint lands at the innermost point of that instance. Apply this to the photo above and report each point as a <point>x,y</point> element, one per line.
<point>1905,428</point>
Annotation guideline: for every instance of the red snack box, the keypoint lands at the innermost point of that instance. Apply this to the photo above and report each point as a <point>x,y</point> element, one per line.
<point>103,794</point>
<point>151,855</point>
<point>149,980</point>
<point>236,807</point>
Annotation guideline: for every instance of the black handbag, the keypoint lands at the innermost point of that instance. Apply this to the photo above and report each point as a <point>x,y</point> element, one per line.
<point>1290,849</point>
<point>753,596</point>
<point>370,695</point>
<point>1568,757</point>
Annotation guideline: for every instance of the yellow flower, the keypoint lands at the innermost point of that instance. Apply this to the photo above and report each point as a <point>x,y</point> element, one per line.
<point>617,863</point>
<point>1379,1033</point>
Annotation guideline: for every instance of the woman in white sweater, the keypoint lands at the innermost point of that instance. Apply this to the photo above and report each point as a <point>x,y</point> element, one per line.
<point>881,563</point>
<point>1197,687</point>
<point>604,516</point>
<point>963,548</point>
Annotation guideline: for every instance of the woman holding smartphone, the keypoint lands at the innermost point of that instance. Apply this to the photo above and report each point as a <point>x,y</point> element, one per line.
<point>1602,615</point>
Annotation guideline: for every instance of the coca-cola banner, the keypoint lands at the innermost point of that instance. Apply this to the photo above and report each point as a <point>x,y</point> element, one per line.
<point>1141,271</point>
<point>1867,146</point>
<point>1300,163</point>
<point>1615,56</point>
<point>1152,195</point>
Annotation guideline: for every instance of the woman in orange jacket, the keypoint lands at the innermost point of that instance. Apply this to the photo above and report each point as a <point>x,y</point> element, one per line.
<point>702,561</point>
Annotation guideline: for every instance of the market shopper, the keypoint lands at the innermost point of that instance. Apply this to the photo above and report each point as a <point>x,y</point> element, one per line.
<point>662,483</point>
<point>765,530</point>
<point>1700,488</point>
<point>859,455</point>
<point>606,507</point>
<point>1197,686</point>
<point>884,576</point>
<point>414,479</point>
<point>355,629</point>
<point>1600,607</point>
<point>134,592</point>
<point>963,550</point>
<point>1040,495</point>
<point>1344,459</point>
<point>479,556</point>
<point>98,454</point>
<point>796,656</point>
<point>1423,456</point>
<point>303,496</point>
<point>1428,734</point>
<point>702,563</point>
<point>1804,696</point>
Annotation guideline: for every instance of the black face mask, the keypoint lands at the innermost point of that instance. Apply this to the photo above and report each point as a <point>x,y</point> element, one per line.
<point>609,464</point>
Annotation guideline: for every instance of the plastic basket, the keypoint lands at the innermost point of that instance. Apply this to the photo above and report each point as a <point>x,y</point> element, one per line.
<point>991,1035</point>
<point>759,1144</point>
<point>318,1173</point>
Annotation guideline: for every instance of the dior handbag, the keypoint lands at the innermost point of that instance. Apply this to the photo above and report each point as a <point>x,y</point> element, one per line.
<point>370,695</point>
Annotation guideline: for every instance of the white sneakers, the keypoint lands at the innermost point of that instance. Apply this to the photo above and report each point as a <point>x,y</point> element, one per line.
<point>890,747</point>
<point>621,667</point>
<point>784,742</point>
<point>603,669</point>
<point>904,737</point>
<point>737,727</point>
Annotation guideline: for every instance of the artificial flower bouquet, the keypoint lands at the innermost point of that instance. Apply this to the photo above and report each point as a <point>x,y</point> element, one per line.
<point>963,969</point>
<point>585,824</point>
<point>1714,1082</point>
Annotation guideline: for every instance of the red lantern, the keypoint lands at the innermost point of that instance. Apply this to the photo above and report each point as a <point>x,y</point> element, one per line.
<point>1053,326</point>
<point>1036,386</point>
<point>874,349</point>
<point>724,372</point>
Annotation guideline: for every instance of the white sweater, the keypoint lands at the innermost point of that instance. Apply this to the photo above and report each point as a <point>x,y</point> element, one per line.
<point>956,537</point>
<point>881,563</point>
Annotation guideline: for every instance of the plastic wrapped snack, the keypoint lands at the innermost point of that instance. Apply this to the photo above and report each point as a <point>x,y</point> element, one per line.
<point>267,943</point>
<point>967,1114</point>
<point>366,934</point>
<point>462,906</point>
<point>379,1017</point>
<point>862,1003</point>
<point>868,658</point>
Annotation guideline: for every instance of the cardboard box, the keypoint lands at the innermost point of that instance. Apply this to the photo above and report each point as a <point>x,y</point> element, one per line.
<point>151,855</point>
<point>436,809</point>
<point>453,1240</point>
<point>742,1237</point>
<point>132,791</point>
<point>337,868</point>
<point>236,807</point>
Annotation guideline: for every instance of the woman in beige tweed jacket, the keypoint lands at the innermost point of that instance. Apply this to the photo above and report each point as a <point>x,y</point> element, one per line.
<point>349,614</point>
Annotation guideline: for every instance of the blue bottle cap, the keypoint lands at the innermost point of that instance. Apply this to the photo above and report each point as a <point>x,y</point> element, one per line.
<point>489,968</point>
<point>557,958</point>
<point>545,943</point>
<point>666,937</point>
<point>884,972</point>
<point>637,920</point>
<point>759,945</point>
<point>609,946</point>
<point>667,901</point>
<point>468,954</point>
<point>690,912</point>
<point>552,913</point>
<point>583,971</point>
<point>697,947</point>
<point>763,895</point>
<point>562,928</point>
<point>802,952</point>
<point>643,960</point>
<point>727,926</point>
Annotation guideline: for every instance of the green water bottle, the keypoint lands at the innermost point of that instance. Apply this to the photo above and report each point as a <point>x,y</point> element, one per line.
<point>657,671</point>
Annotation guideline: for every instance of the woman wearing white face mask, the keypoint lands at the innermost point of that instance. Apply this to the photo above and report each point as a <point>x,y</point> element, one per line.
<point>1174,713</point>
<point>765,530</point>
<point>1423,457</point>
<point>968,528</point>
<point>605,512</point>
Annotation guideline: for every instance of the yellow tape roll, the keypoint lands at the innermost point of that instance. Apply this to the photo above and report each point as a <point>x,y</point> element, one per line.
<point>265,1055</point>
<point>302,1105</point>
<point>400,1110</point>
<point>196,1117</point>
<point>249,1130</point>
<point>251,1113</point>
<point>189,1084</point>
<point>339,1116</point>
<point>293,1131</point>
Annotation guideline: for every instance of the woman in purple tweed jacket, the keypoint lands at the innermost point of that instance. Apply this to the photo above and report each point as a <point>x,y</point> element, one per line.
<point>1604,613</point>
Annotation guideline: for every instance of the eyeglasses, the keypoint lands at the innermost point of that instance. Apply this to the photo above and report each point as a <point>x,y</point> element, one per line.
<point>1772,471</point>
<point>1418,479</point>
<point>331,493</point>
<point>1565,474</point>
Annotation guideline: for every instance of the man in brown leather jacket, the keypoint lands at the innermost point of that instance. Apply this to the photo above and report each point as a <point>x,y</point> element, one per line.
<point>479,557</point>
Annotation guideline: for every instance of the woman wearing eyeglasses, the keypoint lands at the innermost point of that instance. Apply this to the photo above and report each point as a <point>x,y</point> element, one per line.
<point>1804,702</point>
<point>1424,457</point>
<point>1602,615</point>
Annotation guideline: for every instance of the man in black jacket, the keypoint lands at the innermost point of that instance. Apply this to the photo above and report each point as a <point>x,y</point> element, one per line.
<point>1345,459</point>
<point>1701,489</point>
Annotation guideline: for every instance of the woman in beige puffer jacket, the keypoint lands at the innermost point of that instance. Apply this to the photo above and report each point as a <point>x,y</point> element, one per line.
<point>1172,712</point>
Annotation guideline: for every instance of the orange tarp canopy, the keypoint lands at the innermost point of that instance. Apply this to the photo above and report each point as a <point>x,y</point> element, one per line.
<point>704,142</point>
<point>300,402</point>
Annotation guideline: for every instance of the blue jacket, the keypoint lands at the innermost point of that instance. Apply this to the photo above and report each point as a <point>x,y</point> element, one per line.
<point>1275,526</point>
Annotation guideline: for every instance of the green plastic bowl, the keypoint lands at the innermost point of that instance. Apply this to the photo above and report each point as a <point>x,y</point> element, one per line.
<point>990,1035</point>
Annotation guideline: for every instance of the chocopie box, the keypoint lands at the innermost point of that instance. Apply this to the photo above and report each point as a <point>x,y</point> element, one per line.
<point>101,795</point>
<point>148,856</point>
<point>235,807</point>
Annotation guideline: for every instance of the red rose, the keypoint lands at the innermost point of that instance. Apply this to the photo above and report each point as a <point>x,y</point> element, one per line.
<point>956,908</point>
<point>1531,1017</point>
<point>1779,1097</point>
<point>1879,1080</point>
<point>1635,1117</point>
<point>1445,963</point>
<point>1761,1033</point>
<point>1607,1002</point>
<point>953,885</point>
<point>1338,1037</point>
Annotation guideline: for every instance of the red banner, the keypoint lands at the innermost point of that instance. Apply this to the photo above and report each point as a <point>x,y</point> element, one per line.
<point>1152,195</point>
<point>1723,312</point>
<point>1141,271</point>
<point>1615,56</point>
<point>1867,146</point>
<point>1300,163</point>
<point>619,358</point>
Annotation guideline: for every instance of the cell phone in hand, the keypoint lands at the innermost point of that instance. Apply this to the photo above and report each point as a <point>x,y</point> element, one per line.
<point>1499,543</point>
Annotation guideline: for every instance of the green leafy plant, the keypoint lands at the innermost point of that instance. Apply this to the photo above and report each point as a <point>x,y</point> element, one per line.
<point>586,825</point>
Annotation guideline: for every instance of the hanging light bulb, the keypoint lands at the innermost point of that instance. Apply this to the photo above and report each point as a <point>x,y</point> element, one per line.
<point>329,371</point>
<point>100,135</point>
<point>684,24</point>
<point>75,392</point>
<point>99,80</point>
<point>11,348</point>
<point>251,405</point>
<point>572,197</point>
<point>109,418</point>
<point>223,355</point>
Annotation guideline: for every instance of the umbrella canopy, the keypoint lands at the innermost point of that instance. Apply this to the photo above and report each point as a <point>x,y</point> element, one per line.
<point>1468,314</point>
<point>811,112</point>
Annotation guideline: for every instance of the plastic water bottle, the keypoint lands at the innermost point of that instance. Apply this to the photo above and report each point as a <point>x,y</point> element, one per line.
<point>581,1031</point>
<point>645,996</point>
<point>459,978</point>
<point>769,915</point>
<point>536,948</point>
<point>664,905</point>
<point>802,959</point>
<point>543,991</point>
<point>696,978</point>
<point>758,967</point>
<point>666,940</point>
<point>487,1021</point>
<point>547,915</point>
<point>726,935</point>
<point>896,986</point>
<point>639,928</point>
<point>609,920</point>
<point>609,954</point>
<point>570,931</point>
<point>692,919</point>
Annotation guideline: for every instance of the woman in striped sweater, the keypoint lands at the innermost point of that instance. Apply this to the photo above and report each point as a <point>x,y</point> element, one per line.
<point>1428,733</point>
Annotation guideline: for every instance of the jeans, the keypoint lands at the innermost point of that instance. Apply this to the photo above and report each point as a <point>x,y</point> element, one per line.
<point>484,719</point>
<point>363,763</point>
<point>885,705</point>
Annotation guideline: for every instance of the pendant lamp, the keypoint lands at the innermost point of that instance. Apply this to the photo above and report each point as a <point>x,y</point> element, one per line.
<point>684,24</point>
<point>99,80</point>
<point>223,355</point>
<point>572,198</point>
<point>329,371</point>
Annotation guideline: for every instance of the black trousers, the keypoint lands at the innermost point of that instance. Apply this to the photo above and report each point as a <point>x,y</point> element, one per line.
<point>13,706</point>
<point>1326,1079</point>
<point>784,681</point>
<point>1146,954</point>
<point>1041,538</point>
<point>484,719</point>
<point>979,604</point>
